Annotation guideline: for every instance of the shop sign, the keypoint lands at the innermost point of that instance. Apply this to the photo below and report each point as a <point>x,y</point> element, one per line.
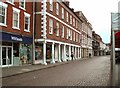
<point>16,38</point>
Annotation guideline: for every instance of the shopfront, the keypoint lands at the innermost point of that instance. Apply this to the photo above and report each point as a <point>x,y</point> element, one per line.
<point>15,50</point>
<point>6,52</point>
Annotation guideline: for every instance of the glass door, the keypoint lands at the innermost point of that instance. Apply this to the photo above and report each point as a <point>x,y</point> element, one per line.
<point>6,56</point>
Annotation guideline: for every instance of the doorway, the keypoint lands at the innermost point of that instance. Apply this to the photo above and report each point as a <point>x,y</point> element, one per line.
<point>6,56</point>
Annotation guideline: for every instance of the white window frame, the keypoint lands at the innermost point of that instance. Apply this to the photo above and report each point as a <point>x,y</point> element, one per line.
<point>73,21</point>
<point>71,35</point>
<point>67,33</point>
<point>18,12</point>
<point>27,15</point>
<point>4,6</point>
<point>63,30</point>
<point>74,36</point>
<point>76,24</point>
<point>21,6</point>
<point>50,26</point>
<point>70,19</point>
<point>51,5</point>
<point>62,13</point>
<point>57,8</point>
<point>11,2</point>
<point>57,27</point>
<point>67,17</point>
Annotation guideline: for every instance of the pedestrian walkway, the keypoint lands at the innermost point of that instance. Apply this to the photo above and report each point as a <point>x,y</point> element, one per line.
<point>11,71</point>
<point>15,70</point>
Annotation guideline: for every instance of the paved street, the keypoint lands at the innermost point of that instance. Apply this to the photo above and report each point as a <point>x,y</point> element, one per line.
<point>89,72</point>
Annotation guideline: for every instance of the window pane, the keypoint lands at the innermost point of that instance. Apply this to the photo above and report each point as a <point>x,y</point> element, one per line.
<point>15,19</point>
<point>2,14</point>
<point>27,23</point>
<point>22,3</point>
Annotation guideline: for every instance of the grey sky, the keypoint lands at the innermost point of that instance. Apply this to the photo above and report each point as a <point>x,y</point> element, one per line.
<point>98,13</point>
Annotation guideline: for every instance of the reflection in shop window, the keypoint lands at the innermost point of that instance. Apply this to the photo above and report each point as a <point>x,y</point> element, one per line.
<point>26,53</point>
<point>38,53</point>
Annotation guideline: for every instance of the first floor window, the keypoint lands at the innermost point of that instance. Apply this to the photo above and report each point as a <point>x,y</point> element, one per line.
<point>16,18</point>
<point>57,29</point>
<point>2,14</point>
<point>3,10</point>
<point>50,26</point>
<point>74,36</point>
<point>62,31</point>
<point>71,35</point>
<point>27,22</point>
<point>67,32</point>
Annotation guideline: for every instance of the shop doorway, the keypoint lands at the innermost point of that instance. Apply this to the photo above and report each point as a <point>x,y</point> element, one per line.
<point>6,56</point>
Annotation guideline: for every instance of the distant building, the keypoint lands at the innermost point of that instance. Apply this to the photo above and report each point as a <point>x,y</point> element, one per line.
<point>96,44</point>
<point>108,49</point>
<point>86,42</point>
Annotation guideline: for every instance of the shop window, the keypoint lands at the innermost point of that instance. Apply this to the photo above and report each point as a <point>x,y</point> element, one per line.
<point>39,52</point>
<point>16,49</point>
<point>26,53</point>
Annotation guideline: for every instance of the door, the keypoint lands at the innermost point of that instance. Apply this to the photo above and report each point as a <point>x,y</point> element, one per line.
<point>6,56</point>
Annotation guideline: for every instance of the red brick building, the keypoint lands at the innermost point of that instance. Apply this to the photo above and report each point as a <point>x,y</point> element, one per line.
<point>16,30</point>
<point>57,32</point>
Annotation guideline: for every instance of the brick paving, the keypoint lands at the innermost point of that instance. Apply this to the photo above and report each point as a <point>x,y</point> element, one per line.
<point>88,72</point>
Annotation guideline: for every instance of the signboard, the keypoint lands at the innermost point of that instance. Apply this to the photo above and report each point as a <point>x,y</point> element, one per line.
<point>115,21</point>
<point>17,38</point>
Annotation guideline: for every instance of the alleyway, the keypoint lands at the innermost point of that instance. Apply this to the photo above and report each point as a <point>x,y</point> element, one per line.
<point>90,72</point>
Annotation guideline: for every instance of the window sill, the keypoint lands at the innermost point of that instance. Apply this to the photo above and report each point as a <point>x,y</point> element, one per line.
<point>26,30</point>
<point>1,24</point>
<point>16,28</point>
<point>50,33</point>
<point>22,8</point>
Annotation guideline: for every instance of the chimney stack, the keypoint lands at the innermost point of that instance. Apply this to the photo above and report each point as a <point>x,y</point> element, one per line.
<point>66,2</point>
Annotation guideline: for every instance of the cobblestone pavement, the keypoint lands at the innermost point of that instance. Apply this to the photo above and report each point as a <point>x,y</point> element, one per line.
<point>90,72</point>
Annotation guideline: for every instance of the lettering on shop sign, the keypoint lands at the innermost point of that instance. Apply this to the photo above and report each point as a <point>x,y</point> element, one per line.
<point>16,38</point>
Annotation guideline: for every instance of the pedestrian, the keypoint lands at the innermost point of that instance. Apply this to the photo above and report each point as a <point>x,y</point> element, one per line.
<point>72,55</point>
<point>89,55</point>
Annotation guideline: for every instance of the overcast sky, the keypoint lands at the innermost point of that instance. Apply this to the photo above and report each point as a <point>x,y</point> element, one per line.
<point>98,13</point>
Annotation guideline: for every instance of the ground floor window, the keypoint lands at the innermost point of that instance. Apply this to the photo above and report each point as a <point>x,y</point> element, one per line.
<point>26,53</point>
<point>38,52</point>
<point>49,52</point>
